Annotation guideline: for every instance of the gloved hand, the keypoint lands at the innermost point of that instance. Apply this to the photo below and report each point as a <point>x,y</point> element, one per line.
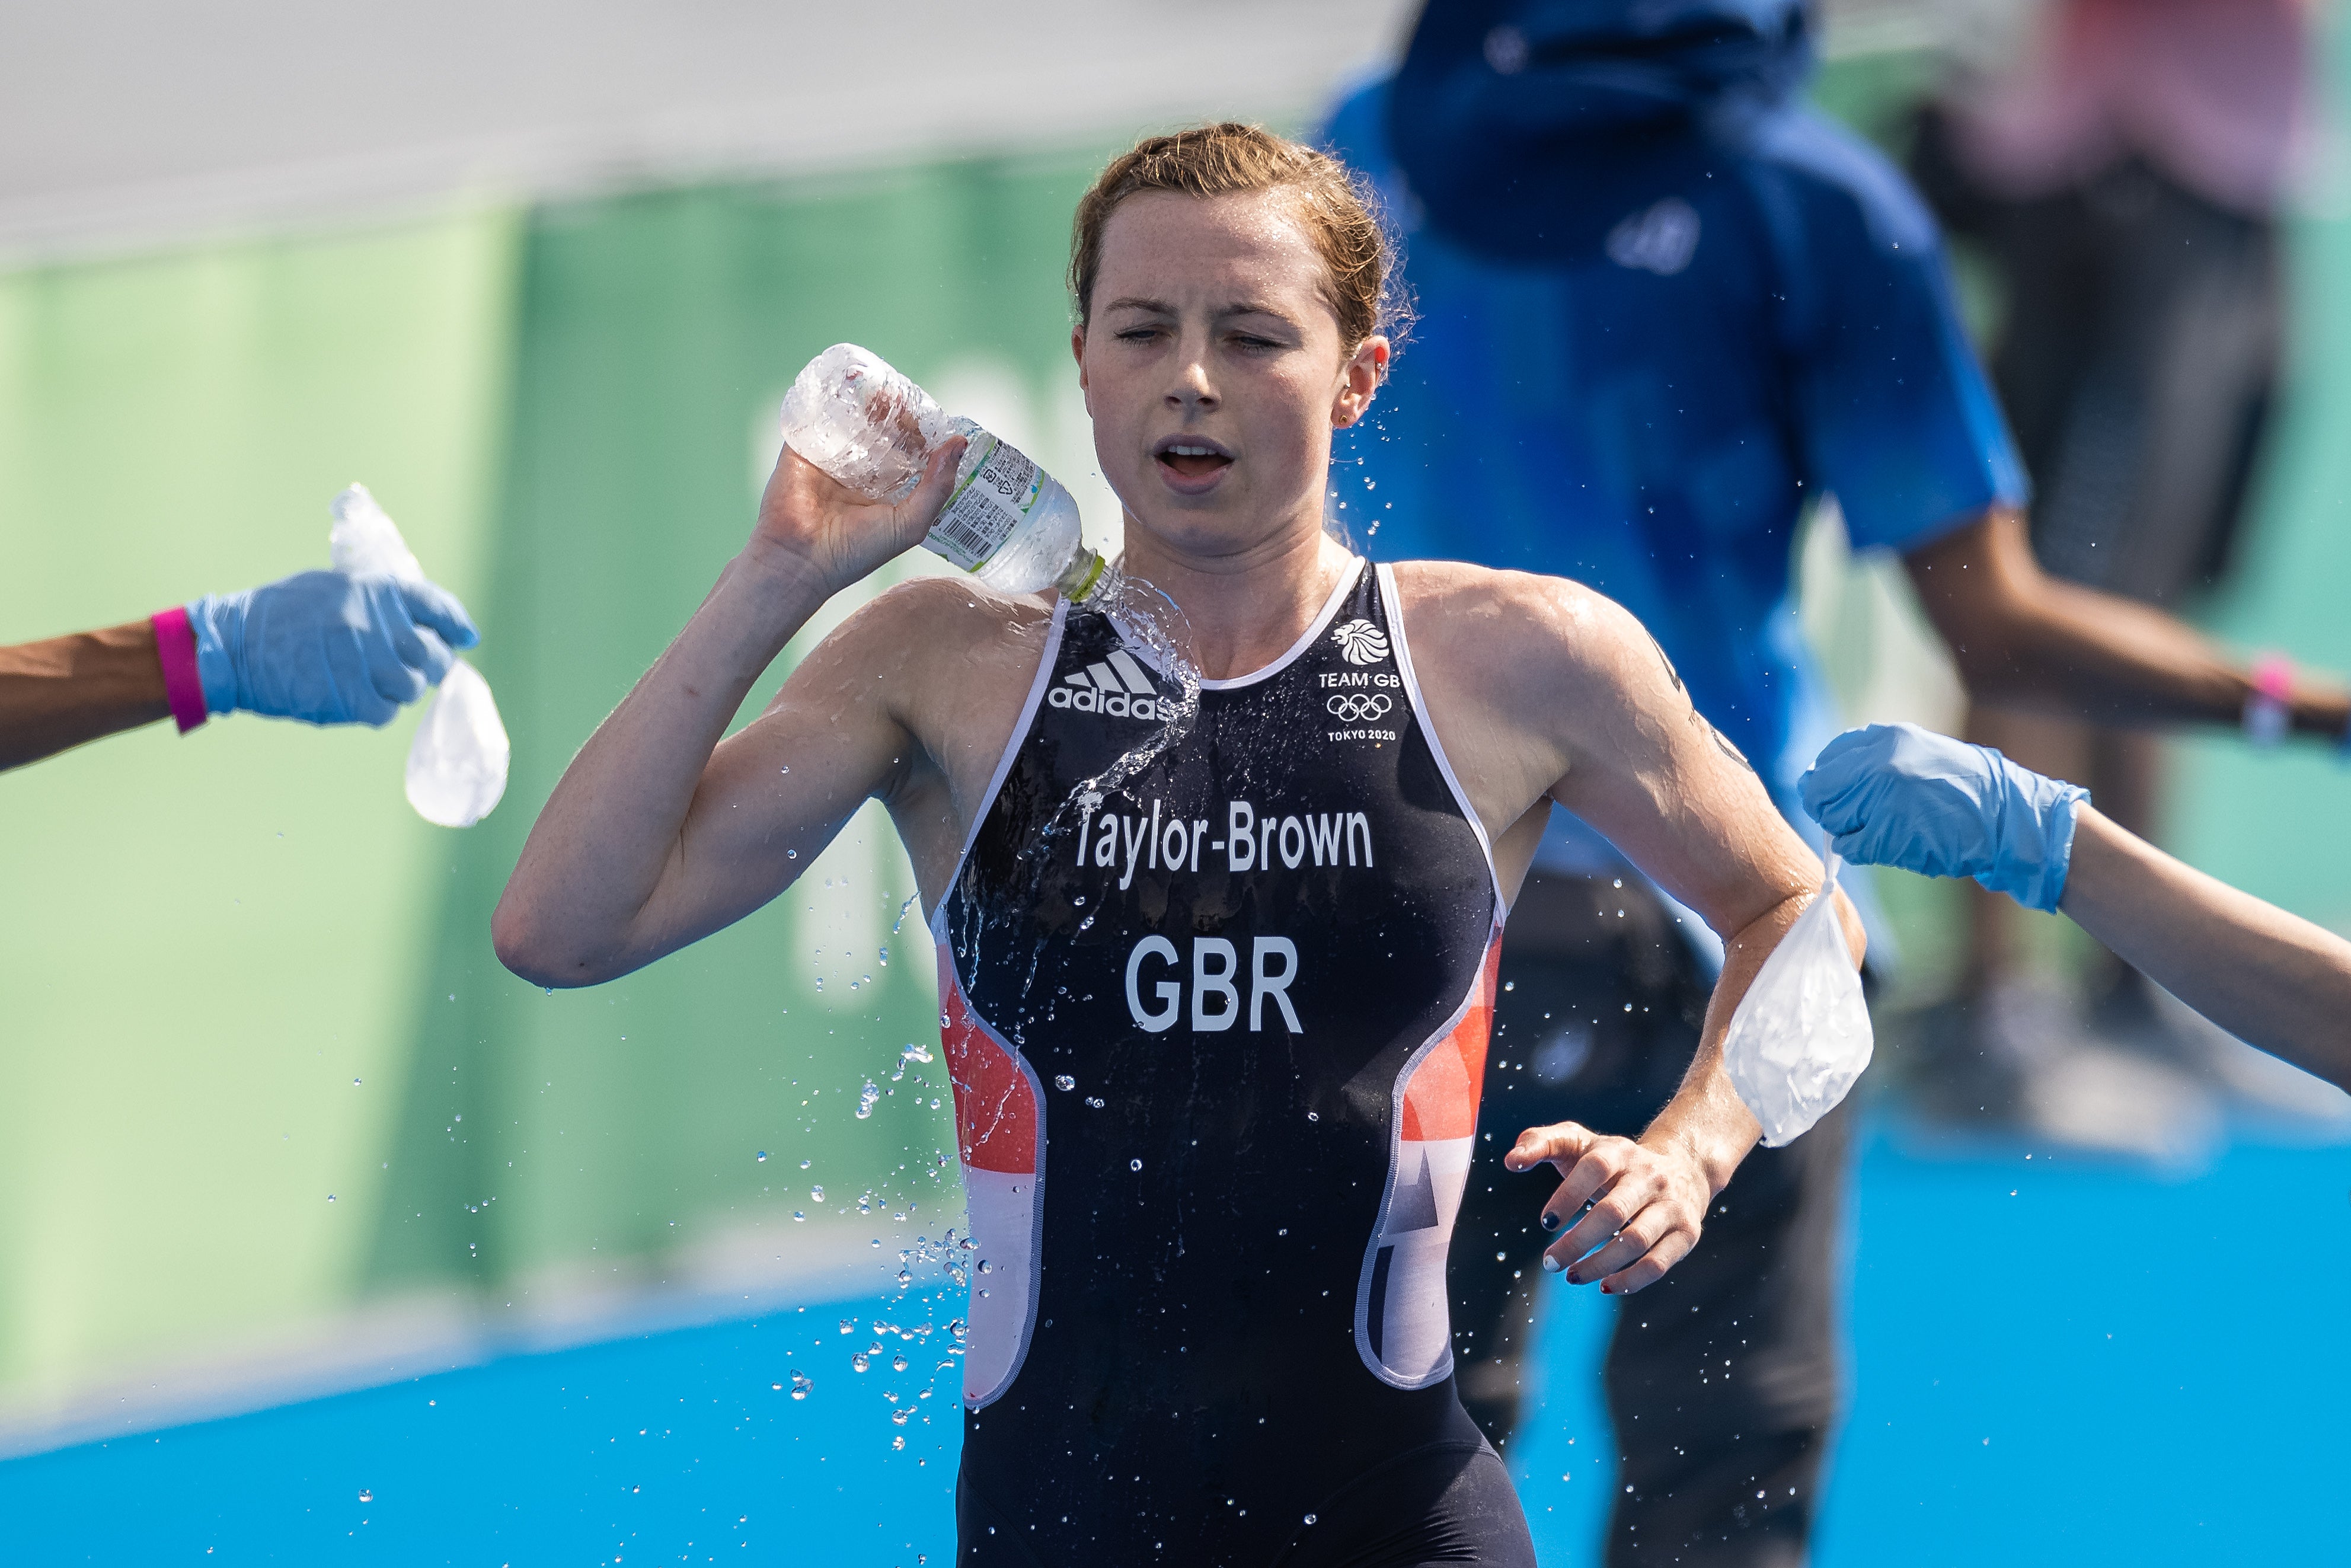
<point>325,647</point>
<point>1899,795</point>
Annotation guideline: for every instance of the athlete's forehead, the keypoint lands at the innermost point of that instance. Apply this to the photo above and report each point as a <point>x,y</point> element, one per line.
<point>1168,253</point>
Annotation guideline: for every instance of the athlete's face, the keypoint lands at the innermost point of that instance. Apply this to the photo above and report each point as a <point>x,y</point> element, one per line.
<point>1214,369</point>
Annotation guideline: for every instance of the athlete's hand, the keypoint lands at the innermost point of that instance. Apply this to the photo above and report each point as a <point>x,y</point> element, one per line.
<point>813,523</point>
<point>1647,1205</point>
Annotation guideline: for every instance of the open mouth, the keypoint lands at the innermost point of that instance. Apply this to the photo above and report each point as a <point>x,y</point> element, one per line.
<point>1192,458</point>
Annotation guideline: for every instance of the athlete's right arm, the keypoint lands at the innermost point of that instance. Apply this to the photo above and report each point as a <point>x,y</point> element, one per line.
<point>657,834</point>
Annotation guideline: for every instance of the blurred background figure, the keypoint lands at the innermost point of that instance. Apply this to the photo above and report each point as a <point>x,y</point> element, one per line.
<point>1665,306</point>
<point>2124,176</point>
<point>323,647</point>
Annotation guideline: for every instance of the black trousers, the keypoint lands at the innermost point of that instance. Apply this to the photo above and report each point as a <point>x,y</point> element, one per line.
<point>1722,1378</point>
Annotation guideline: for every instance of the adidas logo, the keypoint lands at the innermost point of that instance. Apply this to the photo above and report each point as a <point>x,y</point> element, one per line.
<point>1117,687</point>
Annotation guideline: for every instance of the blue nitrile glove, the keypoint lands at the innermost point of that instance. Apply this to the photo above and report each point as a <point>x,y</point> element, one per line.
<point>327,648</point>
<point>1894,794</point>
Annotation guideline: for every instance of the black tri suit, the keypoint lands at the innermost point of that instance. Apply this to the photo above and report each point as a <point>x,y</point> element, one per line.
<point>1217,1034</point>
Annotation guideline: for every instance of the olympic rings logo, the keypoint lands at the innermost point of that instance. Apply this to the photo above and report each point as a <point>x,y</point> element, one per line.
<point>1355,707</point>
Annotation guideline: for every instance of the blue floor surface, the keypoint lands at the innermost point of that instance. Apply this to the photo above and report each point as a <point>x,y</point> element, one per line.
<point>2057,1362</point>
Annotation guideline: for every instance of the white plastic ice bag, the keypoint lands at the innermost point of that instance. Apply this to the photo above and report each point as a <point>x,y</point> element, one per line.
<point>1801,1036</point>
<point>457,763</point>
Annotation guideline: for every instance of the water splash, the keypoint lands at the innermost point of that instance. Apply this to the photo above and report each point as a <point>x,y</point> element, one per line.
<point>1144,618</point>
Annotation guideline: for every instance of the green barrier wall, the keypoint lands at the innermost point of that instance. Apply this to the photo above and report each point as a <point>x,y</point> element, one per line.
<point>656,335</point>
<point>204,941</point>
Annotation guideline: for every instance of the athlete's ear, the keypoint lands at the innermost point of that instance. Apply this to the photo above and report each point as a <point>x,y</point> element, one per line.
<point>1078,352</point>
<point>1359,381</point>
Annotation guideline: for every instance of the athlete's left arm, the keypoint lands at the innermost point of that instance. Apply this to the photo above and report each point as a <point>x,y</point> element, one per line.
<point>1558,693</point>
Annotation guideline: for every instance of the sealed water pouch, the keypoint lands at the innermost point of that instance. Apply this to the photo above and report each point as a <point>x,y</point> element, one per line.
<point>1801,1036</point>
<point>458,762</point>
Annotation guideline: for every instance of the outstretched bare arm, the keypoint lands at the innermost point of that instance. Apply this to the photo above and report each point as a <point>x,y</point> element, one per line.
<point>2271,979</point>
<point>2022,638</point>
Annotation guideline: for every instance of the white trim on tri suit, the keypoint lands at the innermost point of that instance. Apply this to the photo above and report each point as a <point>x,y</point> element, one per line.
<point>1347,581</point>
<point>1053,631</point>
<point>1429,729</point>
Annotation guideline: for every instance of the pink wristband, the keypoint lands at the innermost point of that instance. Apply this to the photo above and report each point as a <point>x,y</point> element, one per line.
<point>2268,711</point>
<point>175,646</point>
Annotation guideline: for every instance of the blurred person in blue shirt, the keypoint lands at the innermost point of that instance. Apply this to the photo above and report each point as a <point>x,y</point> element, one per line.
<point>1664,307</point>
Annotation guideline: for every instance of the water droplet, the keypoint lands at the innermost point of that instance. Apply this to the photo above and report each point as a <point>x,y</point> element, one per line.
<point>1095,1100</point>
<point>904,1279</point>
<point>1620,882</point>
<point>761,1156</point>
<point>802,1383</point>
<point>1135,1164</point>
<point>1064,1083</point>
<point>898,1363</point>
<point>1510,985</point>
<point>1313,1115</point>
<point>1080,901</point>
<point>866,1097</point>
<point>792,855</point>
<point>798,1215</point>
<point>1087,924</point>
<point>330,1197</point>
<point>805,1163</point>
<point>861,1360</point>
<point>847,1326</point>
<point>1310,1518</point>
<point>366,1495</point>
<point>899,1441</point>
<point>783,770</point>
<point>355,1083</point>
<point>816,1195</point>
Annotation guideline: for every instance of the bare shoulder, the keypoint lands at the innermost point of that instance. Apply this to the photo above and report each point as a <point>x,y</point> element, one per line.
<point>1505,630</point>
<point>941,623</point>
<point>943,660</point>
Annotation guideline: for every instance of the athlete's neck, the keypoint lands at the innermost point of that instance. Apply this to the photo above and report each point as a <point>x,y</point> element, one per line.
<point>1246,609</point>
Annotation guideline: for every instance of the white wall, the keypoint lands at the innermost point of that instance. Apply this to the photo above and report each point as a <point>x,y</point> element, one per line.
<point>125,122</point>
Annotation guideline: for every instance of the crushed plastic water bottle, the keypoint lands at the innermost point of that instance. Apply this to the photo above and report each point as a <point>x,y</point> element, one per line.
<point>1007,522</point>
<point>1801,1036</point>
<point>458,762</point>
